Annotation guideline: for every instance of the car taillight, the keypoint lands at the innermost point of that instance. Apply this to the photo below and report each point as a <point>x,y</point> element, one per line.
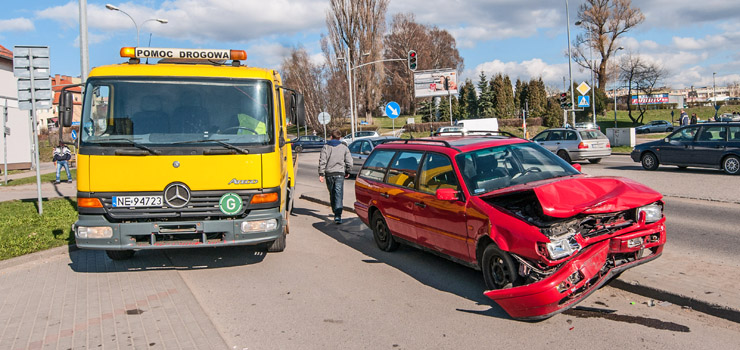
<point>582,145</point>
<point>608,145</point>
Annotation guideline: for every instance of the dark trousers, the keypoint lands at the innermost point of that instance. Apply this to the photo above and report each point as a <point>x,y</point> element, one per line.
<point>335,185</point>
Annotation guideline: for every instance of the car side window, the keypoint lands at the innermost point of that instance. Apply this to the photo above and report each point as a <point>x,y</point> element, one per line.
<point>541,137</point>
<point>713,133</point>
<point>355,147</point>
<point>437,172</point>
<point>375,165</point>
<point>403,169</point>
<point>556,135</point>
<point>366,147</point>
<point>685,134</point>
<point>571,136</point>
<point>734,133</point>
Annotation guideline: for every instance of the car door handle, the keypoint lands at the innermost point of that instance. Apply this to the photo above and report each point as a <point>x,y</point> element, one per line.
<point>384,195</point>
<point>420,205</point>
<point>719,146</point>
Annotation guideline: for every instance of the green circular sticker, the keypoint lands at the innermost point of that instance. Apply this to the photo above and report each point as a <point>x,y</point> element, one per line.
<point>230,204</point>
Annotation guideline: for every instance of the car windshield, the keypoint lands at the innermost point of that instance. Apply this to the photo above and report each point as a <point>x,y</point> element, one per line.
<point>489,169</point>
<point>177,112</point>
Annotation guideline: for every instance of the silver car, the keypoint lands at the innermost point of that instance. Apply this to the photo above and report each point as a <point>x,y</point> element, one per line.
<point>573,145</point>
<point>655,126</point>
<point>361,149</point>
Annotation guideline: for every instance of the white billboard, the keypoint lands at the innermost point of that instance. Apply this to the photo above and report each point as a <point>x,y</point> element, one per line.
<point>431,83</point>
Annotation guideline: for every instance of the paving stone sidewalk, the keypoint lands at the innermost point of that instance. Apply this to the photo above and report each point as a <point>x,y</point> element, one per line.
<point>74,299</point>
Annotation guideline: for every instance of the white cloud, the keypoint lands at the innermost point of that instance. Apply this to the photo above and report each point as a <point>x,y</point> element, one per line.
<point>551,74</point>
<point>268,54</point>
<point>683,13</point>
<point>16,25</point>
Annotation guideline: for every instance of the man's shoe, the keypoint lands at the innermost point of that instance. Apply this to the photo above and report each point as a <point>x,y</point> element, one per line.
<point>337,221</point>
<point>69,181</point>
<point>56,182</point>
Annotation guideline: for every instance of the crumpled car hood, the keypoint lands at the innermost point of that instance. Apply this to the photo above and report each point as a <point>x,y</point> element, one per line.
<point>592,195</point>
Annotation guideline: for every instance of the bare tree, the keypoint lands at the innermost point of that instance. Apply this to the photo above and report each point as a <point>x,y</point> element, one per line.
<point>641,77</point>
<point>405,34</point>
<point>605,21</point>
<point>301,74</point>
<point>360,25</point>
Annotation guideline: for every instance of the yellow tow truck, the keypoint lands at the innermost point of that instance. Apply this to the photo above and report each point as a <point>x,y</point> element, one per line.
<point>190,151</point>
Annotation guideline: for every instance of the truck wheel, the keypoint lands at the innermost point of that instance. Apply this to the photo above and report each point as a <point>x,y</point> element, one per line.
<point>120,254</point>
<point>278,245</point>
<point>499,270</point>
<point>731,164</point>
<point>563,154</point>
<point>382,235</point>
<point>649,161</point>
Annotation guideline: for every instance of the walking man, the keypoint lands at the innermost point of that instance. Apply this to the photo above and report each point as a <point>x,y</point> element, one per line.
<point>335,163</point>
<point>61,158</point>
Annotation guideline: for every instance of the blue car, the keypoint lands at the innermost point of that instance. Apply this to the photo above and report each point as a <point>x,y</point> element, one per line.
<point>307,142</point>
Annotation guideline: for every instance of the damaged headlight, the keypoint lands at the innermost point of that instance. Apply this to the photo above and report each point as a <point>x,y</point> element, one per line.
<point>560,248</point>
<point>652,212</point>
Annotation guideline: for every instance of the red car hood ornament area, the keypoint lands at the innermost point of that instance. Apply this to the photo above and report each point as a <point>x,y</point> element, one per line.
<point>616,238</point>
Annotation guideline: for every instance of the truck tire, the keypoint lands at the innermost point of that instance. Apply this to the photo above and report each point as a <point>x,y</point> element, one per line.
<point>120,254</point>
<point>278,245</point>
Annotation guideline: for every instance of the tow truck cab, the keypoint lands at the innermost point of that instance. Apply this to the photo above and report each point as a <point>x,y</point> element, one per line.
<point>189,151</point>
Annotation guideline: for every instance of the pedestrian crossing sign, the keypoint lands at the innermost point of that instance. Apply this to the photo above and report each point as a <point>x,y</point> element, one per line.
<point>583,101</point>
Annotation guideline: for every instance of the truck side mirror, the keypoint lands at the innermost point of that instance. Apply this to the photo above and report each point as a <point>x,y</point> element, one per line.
<point>297,109</point>
<point>66,103</point>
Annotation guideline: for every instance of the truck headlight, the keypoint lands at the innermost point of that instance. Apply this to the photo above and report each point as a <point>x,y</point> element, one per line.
<point>94,232</point>
<point>259,226</point>
<point>652,212</point>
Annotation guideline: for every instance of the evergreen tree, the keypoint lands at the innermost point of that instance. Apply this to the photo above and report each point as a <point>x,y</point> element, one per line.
<point>537,98</point>
<point>553,113</point>
<point>485,99</point>
<point>461,103</point>
<point>443,110</point>
<point>506,99</point>
<point>518,102</point>
<point>471,100</point>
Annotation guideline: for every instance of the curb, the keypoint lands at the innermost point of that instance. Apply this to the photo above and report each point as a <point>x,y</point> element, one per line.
<point>681,300</point>
<point>645,291</point>
<point>37,256</point>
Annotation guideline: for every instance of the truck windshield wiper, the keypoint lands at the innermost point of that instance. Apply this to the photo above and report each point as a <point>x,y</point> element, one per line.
<point>220,142</point>
<point>130,142</point>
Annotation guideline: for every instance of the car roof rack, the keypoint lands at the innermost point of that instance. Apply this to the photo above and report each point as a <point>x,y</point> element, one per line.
<point>443,142</point>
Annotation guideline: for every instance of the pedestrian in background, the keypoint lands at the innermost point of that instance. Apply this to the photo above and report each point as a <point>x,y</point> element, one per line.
<point>684,118</point>
<point>335,162</point>
<point>693,119</point>
<point>61,158</point>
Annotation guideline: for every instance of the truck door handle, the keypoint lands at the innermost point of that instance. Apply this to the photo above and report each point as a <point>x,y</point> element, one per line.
<point>420,205</point>
<point>384,195</point>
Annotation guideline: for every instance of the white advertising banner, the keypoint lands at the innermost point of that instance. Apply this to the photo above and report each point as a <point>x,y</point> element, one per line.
<point>431,83</point>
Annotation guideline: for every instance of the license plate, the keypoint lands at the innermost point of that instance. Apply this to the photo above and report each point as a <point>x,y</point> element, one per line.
<point>137,201</point>
<point>598,145</point>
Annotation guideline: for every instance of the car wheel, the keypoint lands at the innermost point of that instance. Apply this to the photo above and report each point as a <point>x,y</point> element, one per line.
<point>649,161</point>
<point>668,129</point>
<point>731,164</point>
<point>120,254</point>
<point>564,154</point>
<point>499,270</point>
<point>594,161</point>
<point>382,235</point>
<point>298,149</point>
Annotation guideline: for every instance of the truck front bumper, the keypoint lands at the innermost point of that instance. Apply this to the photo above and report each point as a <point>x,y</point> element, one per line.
<point>96,232</point>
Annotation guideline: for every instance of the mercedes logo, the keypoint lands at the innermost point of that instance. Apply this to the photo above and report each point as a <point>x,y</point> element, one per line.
<point>176,195</point>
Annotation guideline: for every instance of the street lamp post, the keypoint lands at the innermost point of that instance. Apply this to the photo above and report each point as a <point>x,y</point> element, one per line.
<point>114,8</point>
<point>714,95</point>
<point>570,65</point>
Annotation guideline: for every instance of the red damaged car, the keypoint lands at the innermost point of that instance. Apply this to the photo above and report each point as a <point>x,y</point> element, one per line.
<point>544,235</point>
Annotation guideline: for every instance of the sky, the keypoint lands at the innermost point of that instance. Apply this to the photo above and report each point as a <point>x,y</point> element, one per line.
<point>524,39</point>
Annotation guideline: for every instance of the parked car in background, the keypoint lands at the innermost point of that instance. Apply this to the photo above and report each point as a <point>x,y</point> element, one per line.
<point>360,135</point>
<point>728,117</point>
<point>448,131</point>
<point>655,126</point>
<point>706,145</point>
<point>307,142</point>
<point>361,149</point>
<point>575,144</point>
<point>481,124</point>
<point>544,235</point>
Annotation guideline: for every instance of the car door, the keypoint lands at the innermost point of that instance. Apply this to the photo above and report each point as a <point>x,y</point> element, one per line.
<point>541,138</point>
<point>709,146</point>
<point>366,148</point>
<point>554,140</point>
<point>440,224</point>
<point>354,151</point>
<point>679,143</point>
<point>398,197</point>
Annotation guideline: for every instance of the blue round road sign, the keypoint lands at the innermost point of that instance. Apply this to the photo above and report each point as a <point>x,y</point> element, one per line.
<point>392,110</point>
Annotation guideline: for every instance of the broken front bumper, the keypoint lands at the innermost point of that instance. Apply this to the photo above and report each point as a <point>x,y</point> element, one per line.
<point>579,277</point>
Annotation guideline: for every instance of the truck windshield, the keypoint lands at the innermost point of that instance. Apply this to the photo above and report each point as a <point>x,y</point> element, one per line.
<point>177,112</point>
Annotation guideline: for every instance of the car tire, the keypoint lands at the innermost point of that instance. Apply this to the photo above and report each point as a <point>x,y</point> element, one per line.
<point>298,149</point>
<point>669,130</point>
<point>564,154</point>
<point>381,234</point>
<point>594,161</point>
<point>499,270</point>
<point>120,254</point>
<point>649,161</point>
<point>731,165</point>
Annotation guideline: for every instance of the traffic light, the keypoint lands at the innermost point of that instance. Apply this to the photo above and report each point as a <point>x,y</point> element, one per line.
<point>412,60</point>
<point>564,102</point>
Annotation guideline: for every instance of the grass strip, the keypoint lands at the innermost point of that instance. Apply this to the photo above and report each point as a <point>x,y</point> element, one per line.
<point>24,231</point>
<point>50,177</point>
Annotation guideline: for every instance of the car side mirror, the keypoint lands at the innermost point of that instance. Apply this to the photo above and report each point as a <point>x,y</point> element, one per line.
<point>366,152</point>
<point>447,194</point>
<point>577,166</point>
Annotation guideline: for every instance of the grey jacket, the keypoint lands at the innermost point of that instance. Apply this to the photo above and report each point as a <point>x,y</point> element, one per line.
<point>335,159</point>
